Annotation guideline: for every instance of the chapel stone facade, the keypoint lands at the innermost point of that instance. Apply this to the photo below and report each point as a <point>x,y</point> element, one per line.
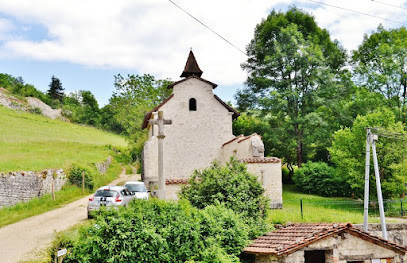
<point>201,132</point>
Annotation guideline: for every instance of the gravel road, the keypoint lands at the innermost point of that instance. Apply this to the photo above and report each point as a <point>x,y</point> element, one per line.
<point>23,240</point>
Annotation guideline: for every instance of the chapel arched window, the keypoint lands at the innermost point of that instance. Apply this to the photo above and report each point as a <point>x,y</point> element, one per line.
<point>192,104</point>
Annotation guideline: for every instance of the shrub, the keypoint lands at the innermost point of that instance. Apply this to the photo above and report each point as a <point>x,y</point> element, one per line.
<point>160,231</point>
<point>321,179</point>
<point>75,176</point>
<point>233,186</point>
<point>35,110</point>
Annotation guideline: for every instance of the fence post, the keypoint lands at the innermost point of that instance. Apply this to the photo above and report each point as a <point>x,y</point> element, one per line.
<point>302,213</point>
<point>83,181</point>
<point>53,189</point>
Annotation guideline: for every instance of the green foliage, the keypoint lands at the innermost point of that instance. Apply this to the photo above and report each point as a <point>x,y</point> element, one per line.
<point>134,97</point>
<point>380,65</point>
<point>321,179</point>
<point>35,110</point>
<point>18,87</point>
<point>294,71</point>
<point>159,231</point>
<point>82,107</point>
<point>75,175</point>
<point>56,91</point>
<point>233,186</point>
<point>348,154</point>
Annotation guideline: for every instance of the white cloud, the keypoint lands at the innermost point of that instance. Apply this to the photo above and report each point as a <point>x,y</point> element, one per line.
<point>153,36</point>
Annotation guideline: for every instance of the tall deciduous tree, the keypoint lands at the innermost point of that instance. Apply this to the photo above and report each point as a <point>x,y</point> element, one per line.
<point>381,65</point>
<point>134,97</point>
<point>56,91</point>
<point>292,64</point>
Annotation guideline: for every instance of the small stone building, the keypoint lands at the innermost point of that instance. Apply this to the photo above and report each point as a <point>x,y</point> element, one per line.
<point>201,132</point>
<point>320,243</point>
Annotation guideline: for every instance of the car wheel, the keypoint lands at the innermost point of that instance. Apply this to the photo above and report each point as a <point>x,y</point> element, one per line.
<point>89,216</point>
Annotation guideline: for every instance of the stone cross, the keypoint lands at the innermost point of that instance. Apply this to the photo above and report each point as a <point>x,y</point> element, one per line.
<point>161,179</point>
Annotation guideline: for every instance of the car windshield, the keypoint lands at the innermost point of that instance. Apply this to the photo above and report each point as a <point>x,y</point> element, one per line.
<point>105,193</point>
<point>136,187</point>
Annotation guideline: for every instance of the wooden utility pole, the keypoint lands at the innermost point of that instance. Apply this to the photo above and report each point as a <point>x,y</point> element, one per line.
<point>161,178</point>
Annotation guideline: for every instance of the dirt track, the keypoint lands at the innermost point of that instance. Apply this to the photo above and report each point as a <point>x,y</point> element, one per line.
<point>22,240</point>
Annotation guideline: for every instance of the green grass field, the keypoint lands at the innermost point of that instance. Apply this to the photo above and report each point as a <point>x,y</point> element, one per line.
<point>318,209</point>
<point>34,142</point>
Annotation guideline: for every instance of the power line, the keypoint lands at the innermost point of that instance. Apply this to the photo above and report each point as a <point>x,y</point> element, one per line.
<point>210,29</point>
<point>357,12</point>
<point>384,3</point>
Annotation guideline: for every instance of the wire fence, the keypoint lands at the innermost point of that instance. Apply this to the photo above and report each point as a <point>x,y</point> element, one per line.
<point>392,208</point>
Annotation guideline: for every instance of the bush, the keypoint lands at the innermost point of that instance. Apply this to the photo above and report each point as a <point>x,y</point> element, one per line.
<point>321,179</point>
<point>75,176</point>
<point>233,186</point>
<point>35,110</point>
<point>160,231</point>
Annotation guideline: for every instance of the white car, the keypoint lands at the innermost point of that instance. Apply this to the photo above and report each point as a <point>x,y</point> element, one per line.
<point>109,196</point>
<point>138,189</point>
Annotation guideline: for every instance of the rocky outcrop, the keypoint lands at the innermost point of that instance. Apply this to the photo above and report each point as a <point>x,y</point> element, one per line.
<point>45,109</point>
<point>30,105</point>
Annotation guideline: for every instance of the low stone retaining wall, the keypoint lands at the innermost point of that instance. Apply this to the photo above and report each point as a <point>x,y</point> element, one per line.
<point>22,186</point>
<point>396,232</point>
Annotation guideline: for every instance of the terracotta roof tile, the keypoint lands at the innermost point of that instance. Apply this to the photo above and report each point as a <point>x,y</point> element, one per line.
<point>248,137</point>
<point>147,117</point>
<point>176,181</point>
<point>289,239</point>
<point>237,137</point>
<point>260,160</point>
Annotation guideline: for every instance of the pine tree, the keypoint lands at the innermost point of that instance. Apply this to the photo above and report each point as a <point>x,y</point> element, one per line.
<point>56,91</point>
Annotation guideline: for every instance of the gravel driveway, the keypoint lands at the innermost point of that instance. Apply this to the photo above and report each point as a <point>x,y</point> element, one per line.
<point>22,240</point>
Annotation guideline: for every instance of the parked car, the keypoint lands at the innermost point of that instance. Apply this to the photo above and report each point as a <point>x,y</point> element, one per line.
<point>138,189</point>
<point>109,196</point>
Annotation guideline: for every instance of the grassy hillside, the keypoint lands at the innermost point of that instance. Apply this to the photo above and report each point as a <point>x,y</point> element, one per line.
<point>34,142</point>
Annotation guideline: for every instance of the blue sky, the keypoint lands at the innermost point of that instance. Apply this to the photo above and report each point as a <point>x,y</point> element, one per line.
<point>86,42</point>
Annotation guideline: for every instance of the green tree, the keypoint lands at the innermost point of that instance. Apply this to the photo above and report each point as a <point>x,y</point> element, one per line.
<point>56,91</point>
<point>233,186</point>
<point>134,97</point>
<point>292,66</point>
<point>349,148</point>
<point>381,65</point>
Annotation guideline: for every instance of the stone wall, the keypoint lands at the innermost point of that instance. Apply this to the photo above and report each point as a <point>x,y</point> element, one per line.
<point>104,166</point>
<point>269,175</point>
<point>22,186</point>
<point>396,232</point>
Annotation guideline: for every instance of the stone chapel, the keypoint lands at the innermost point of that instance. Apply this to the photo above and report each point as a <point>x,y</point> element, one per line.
<point>201,131</point>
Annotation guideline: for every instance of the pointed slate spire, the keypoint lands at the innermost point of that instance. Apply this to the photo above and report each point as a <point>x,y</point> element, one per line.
<point>191,67</point>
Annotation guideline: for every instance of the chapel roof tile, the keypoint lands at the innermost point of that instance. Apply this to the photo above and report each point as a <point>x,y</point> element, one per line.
<point>291,238</point>
<point>260,160</point>
<point>177,181</point>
